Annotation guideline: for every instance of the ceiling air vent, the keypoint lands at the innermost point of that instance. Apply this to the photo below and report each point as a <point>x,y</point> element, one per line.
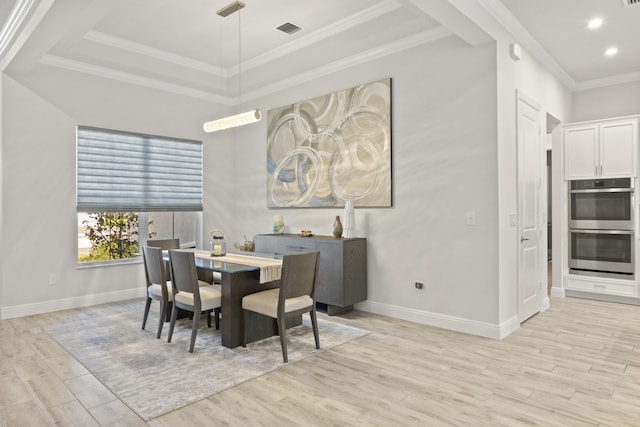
<point>290,28</point>
<point>629,3</point>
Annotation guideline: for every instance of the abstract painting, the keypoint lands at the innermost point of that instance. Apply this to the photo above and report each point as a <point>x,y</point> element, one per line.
<point>326,150</point>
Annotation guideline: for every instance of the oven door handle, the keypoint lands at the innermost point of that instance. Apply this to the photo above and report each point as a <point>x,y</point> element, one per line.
<point>602,190</point>
<point>576,230</point>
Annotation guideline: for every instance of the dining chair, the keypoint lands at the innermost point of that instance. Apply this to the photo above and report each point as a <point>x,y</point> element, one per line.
<point>188,295</point>
<point>295,296</point>
<point>164,244</point>
<point>158,287</point>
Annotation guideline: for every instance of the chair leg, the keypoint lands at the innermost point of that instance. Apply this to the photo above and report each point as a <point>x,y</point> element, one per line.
<point>194,331</point>
<point>209,312</point>
<point>163,314</point>
<point>146,312</point>
<point>174,316</point>
<point>243,327</point>
<point>217,313</point>
<point>169,309</point>
<point>314,324</point>
<point>282,331</point>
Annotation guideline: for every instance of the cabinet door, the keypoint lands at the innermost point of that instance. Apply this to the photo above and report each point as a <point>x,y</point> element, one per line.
<point>617,154</point>
<point>581,152</point>
<point>354,271</point>
<point>329,283</point>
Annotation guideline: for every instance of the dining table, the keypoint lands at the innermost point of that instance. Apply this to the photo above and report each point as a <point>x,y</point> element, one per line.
<point>241,274</point>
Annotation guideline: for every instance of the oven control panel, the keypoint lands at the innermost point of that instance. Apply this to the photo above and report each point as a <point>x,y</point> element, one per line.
<point>588,184</point>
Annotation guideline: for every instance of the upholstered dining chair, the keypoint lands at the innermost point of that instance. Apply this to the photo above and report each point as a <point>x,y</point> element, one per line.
<point>189,295</point>
<point>165,244</point>
<point>158,287</point>
<point>295,296</point>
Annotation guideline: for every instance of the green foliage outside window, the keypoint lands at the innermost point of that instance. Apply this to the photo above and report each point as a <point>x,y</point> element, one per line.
<point>113,235</point>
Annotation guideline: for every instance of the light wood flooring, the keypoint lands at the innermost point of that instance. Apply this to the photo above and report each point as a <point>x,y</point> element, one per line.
<point>577,364</point>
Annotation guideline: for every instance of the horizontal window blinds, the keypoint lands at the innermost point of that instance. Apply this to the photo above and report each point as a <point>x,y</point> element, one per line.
<point>127,172</point>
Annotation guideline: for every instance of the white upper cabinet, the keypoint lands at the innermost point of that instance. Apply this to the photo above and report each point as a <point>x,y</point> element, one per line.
<point>603,149</point>
<point>581,151</point>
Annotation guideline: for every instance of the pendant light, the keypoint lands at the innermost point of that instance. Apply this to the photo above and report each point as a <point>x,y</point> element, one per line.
<point>241,119</point>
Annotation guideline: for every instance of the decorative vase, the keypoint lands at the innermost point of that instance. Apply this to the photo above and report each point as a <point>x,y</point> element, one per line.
<point>349,220</point>
<point>337,227</point>
<point>278,224</point>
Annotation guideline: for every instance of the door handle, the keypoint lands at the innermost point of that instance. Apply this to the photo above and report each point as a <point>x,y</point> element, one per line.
<point>522,239</point>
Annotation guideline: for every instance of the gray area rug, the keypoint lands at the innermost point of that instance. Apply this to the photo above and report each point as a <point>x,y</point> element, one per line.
<point>154,377</point>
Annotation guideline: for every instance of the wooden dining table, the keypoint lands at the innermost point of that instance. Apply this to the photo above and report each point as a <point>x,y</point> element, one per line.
<point>238,280</point>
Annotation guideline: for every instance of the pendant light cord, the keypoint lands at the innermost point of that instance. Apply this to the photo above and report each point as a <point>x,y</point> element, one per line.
<point>239,107</point>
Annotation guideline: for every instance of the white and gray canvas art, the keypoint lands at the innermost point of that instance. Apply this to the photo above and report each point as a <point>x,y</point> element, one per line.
<point>326,150</point>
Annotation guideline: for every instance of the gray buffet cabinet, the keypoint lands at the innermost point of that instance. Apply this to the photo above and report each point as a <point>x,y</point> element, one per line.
<point>342,273</point>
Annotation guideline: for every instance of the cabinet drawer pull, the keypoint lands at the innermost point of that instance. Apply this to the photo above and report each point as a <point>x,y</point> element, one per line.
<point>600,286</point>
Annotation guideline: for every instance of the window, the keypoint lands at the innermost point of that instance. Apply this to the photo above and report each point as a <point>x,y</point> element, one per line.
<point>113,236</point>
<point>133,187</point>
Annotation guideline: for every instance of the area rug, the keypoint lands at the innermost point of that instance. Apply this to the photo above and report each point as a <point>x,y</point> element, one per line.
<point>154,377</point>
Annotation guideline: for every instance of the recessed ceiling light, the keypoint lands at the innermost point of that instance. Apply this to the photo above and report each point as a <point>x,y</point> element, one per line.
<point>595,23</point>
<point>611,51</point>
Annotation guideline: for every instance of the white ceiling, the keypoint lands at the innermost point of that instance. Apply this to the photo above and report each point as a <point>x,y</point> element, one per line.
<point>560,27</point>
<point>184,46</point>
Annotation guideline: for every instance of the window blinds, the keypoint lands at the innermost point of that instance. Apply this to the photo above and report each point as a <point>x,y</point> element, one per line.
<point>127,172</point>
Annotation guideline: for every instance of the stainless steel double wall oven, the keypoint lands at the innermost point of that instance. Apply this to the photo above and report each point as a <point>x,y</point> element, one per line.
<point>601,227</point>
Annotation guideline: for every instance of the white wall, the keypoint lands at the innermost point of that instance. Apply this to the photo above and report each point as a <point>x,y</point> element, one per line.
<point>533,80</point>
<point>38,166</point>
<point>605,102</point>
<point>444,165</point>
<point>453,153</point>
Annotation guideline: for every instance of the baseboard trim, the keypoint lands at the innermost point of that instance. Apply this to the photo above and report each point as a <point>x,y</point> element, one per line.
<point>9,312</point>
<point>546,304</point>
<point>557,292</point>
<point>483,329</point>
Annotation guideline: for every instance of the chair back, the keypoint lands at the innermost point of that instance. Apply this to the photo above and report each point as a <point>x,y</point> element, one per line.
<point>154,267</point>
<point>164,243</point>
<point>184,274</point>
<point>299,273</point>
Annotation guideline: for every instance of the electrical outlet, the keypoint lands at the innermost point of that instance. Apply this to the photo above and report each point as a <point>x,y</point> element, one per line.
<point>52,278</point>
<point>419,286</point>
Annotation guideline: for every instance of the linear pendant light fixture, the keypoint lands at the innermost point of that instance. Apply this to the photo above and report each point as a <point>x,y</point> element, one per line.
<point>233,121</point>
<point>241,119</point>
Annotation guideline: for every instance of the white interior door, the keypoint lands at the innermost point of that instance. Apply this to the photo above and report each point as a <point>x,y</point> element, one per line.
<point>531,219</point>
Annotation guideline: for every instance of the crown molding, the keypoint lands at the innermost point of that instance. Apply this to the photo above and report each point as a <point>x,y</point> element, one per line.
<point>513,26</point>
<point>400,45</point>
<point>15,25</point>
<point>298,44</point>
<point>134,79</point>
<point>12,26</point>
<point>415,40</point>
<point>324,33</point>
<point>162,55</point>
<point>608,81</point>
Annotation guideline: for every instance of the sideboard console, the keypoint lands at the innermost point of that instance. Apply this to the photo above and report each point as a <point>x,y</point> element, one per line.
<point>342,273</point>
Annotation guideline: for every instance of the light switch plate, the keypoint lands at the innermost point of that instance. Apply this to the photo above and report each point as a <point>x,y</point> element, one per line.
<point>471,218</point>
